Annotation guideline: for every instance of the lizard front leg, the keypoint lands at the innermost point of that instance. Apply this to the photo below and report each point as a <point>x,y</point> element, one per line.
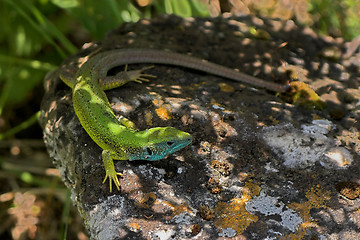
<point>108,160</point>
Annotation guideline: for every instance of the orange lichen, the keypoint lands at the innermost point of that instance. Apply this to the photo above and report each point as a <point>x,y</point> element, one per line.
<point>135,226</point>
<point>177,208</point>
<point>180,208</point>
<point>164,112</point>
<point>233,214</point>
<point>147,201</point>
<point>157,101</point>
<point>300,234</point>
<point>316,199</point>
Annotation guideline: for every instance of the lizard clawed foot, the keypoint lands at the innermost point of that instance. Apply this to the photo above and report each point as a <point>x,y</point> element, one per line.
<point>124,77</point>
<point>137,75</point>
<point>108,157</point>
<point>112,175</point>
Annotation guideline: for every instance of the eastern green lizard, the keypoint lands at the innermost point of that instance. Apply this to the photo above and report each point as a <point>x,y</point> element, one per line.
<point>118,138</point>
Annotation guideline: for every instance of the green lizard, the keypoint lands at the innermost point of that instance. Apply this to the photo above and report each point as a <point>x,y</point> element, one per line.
<point>118,138</point>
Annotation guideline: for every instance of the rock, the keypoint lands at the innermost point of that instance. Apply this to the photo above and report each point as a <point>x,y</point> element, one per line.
<point>259,168</point>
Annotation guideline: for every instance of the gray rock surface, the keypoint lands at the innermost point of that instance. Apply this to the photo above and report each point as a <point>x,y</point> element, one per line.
<point>259,168</point>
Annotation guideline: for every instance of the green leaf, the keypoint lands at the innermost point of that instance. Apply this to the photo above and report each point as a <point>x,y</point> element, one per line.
<point>200,8</point>
<point>181,7</point>
<point>168,7</point>
<point>66,3</point>
<point>99,17</point>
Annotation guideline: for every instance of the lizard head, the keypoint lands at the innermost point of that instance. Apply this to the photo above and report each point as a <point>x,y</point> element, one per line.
<point>163,141</point>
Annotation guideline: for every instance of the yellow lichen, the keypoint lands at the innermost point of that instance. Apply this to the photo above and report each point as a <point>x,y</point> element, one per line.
<point>316,199</point>
<point>252,189</point>
<point>274,121</point>
<point>316,117</point>
<point>233,214</point>
<point>302,95</point>
<point>148,118</point>
<point>301,232</point>
<point>214,102</point>
<point>259,33</point>
<point>224,87</point>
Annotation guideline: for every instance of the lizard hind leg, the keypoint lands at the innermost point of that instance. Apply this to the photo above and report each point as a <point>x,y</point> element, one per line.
<point>124,77</point>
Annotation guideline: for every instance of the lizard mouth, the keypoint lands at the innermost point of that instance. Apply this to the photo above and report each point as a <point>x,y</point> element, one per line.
<point>183,143</point>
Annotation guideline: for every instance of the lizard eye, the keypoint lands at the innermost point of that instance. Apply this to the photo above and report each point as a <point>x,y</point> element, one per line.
<point>149,152</point>
<point>170,143</point>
